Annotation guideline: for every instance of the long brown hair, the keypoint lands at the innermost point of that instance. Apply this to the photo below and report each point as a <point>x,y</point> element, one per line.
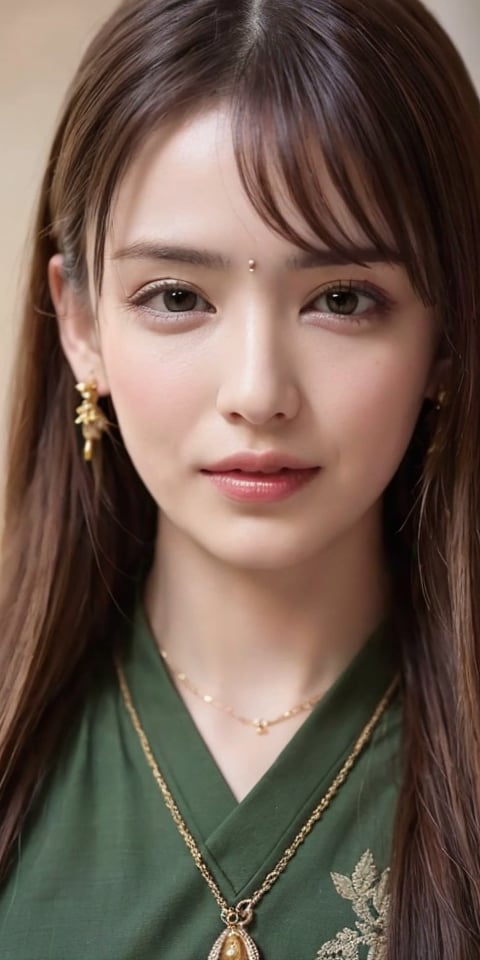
<point>379,88</point>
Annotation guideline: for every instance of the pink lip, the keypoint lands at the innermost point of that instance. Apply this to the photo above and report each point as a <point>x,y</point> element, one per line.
<point>260,477</point>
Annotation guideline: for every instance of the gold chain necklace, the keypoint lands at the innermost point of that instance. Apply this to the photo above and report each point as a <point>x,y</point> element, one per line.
<point>235,943</point>
<point>260,724</point>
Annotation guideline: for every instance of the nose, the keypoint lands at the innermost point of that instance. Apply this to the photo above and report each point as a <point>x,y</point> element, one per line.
<point>258,371</point>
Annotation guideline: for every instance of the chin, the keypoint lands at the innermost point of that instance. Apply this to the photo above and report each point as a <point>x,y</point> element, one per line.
<point>263,554</point>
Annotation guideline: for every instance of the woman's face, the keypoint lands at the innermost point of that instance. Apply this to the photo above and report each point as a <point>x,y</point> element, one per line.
<point>205,358</point>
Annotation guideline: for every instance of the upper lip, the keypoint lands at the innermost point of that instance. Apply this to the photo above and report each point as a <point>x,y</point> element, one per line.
<point>267,462</point>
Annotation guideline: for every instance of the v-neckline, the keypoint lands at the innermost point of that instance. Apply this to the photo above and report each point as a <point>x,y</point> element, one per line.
<point>238,838</point>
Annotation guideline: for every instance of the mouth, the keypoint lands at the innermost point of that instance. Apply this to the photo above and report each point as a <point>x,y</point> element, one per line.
<point>261,473</point>
<point>266,463</point>
<point>261,486</point>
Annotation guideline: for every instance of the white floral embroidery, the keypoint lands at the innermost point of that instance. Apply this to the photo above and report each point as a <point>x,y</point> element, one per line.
<point>370,901</point>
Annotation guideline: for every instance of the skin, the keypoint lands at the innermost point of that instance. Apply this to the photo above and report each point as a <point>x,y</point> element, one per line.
<point>243,591</point>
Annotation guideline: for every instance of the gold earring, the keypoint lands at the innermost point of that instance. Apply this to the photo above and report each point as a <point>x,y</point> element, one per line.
<point>90,416</point>
<point>441,399</point>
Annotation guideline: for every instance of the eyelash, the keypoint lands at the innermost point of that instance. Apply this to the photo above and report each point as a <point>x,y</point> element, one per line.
<point>382,303</point>
<point>141,299</point>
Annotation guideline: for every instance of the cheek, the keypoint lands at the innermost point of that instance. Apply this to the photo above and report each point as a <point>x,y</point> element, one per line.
<point>375,415</point>
<point>154,393</point>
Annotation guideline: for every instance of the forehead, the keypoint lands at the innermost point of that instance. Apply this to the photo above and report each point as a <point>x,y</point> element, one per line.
<point>184,185</point>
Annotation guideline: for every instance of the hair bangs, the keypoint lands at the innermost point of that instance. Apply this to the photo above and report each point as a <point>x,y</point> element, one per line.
<point>319,149</point>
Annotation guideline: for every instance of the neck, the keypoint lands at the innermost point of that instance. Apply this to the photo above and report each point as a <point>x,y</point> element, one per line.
<point>230,629</point>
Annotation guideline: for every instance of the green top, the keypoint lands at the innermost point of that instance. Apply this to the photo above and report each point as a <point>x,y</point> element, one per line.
<point>102,873</point>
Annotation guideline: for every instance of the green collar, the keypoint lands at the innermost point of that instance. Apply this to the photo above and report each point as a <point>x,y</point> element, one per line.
<point>266,820</point>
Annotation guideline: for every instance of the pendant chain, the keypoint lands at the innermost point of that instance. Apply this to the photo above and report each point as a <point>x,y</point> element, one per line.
<point>259,724</point>
<point>242,913</point>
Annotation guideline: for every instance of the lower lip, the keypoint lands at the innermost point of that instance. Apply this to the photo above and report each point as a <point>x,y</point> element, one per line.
<point>261,487</point>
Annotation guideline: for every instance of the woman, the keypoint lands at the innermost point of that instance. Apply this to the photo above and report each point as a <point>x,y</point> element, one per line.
<point>240,660</point>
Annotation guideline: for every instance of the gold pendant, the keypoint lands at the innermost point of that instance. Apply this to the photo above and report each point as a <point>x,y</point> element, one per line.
<point>234,944</point>
<point>261,726</point>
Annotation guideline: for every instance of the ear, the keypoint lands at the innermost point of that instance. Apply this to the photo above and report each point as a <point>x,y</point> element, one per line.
<point>77,327</point>
<point>438,377</point>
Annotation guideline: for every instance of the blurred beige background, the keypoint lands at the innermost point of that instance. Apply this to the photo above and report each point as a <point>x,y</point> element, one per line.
<point>40,44</point>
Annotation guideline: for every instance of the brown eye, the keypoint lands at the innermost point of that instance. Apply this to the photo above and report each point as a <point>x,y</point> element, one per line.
<point>348,300</point>
<point>342,301</point>
<point>179,300</point>
<point>169,297</point>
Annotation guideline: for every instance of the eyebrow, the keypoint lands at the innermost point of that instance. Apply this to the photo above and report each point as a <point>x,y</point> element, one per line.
<point>155,250</point>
